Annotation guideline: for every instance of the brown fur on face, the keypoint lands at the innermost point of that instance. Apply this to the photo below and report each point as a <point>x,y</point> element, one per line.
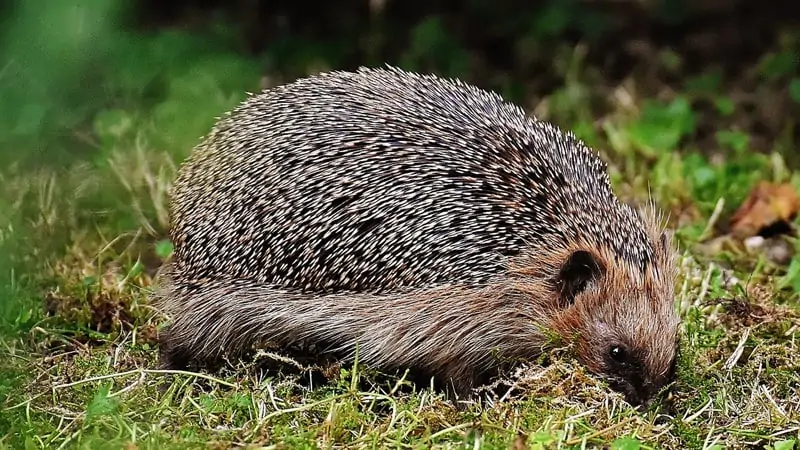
<point>621,320</point>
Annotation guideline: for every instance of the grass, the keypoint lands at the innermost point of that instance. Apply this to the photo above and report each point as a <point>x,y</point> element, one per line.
<point>81,244</point>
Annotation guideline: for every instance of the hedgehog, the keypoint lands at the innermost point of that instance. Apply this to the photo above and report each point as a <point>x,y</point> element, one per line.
<point>420,223</point>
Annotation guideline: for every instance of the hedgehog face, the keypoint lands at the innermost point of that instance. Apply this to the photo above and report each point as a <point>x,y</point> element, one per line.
<point>622,320</point>
<point>632,347</point>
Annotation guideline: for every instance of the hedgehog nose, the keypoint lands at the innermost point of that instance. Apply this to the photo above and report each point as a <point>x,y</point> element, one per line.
<point>644,399</point>
<point>647,392</point>
<point>638,396</point>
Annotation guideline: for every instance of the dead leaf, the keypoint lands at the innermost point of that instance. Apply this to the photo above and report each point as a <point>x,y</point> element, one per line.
<point>769,206</point>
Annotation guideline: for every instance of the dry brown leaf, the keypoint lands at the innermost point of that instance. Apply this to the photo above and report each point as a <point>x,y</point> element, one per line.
<point>768,204</point>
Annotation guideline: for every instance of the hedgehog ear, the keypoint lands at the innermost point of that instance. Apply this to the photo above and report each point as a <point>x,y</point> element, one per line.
<point>575,275</point>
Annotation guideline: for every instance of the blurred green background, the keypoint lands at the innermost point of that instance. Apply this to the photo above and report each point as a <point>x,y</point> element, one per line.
<point>78,75</point>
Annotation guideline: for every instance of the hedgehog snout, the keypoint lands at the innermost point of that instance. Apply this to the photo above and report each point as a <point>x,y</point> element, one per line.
<point>636,394</point>
<point>636,357</point>
<point>627,374</point>
<point>630,372</point>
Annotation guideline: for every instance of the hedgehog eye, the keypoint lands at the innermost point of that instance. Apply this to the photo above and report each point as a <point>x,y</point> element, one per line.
<point>576,274</point>
<point>617,353</point>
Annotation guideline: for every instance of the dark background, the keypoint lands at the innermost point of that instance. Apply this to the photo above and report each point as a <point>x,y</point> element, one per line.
<point>68,62</point>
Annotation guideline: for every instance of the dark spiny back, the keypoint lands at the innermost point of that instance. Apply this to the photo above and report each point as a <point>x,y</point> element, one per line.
<point>379,179</point>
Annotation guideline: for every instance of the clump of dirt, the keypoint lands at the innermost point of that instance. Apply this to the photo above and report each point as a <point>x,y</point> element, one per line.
<point>741,312</point>
<point>98,311</point>
<point>756,307</point>
<point>98,290</point>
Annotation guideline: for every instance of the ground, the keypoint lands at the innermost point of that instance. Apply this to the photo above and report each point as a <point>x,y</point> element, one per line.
<point>83,239</point>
